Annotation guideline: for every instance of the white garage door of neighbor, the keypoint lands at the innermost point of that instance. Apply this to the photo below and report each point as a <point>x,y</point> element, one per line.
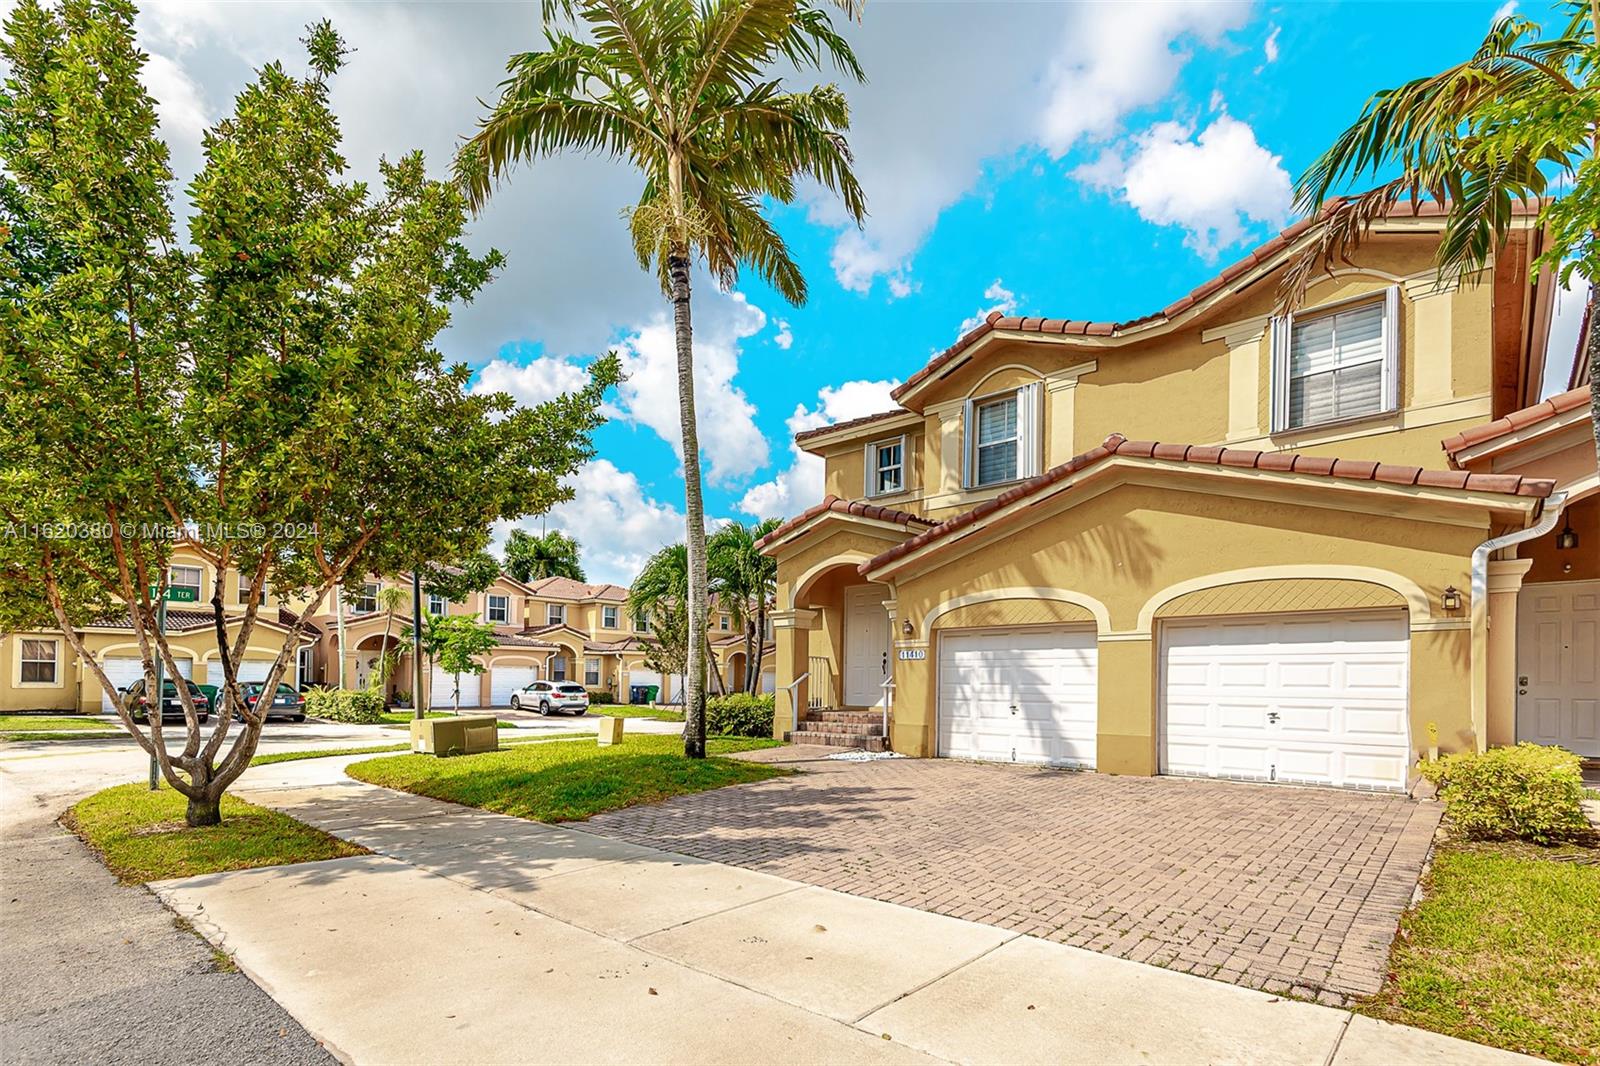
<point>125,671</point>
<point>1311,698</point>
<point>1020,695</point>
<point>504,680</point>
<point>256,670</point>
<point>644,677</point>
<point>442,690</point>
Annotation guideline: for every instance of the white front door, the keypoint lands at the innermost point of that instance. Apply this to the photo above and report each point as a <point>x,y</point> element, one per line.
<point>1558,665</point>
<point>1310,698</point>
<point>866,645</point>
<point>504,680</point>
<point>1019,695</point>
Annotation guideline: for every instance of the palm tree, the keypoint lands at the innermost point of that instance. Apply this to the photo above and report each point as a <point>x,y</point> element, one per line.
<point>552,554</point>
<point>659,593</point>
<point>1481,135</point>
<point>391,598</point>
<point>684,91</point>
<point>745,581</point>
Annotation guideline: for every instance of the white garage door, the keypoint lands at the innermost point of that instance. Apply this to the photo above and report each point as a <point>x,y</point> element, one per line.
<point>1311,698</point>
<point>125,671</point>
<point>504,680</point>
<point>1020,695</point>
<point>643,677</point>
<point>443,687</point>
<point>252,670</point>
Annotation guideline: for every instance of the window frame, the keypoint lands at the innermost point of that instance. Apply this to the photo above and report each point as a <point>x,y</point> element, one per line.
<point>1029,400</point>
<point>199,585</point>
<point>594,673</point>
<point>871,468</point>
<point>442,601</point>
<point>1281,334</point>
<point>244,589</point>
<point>609,616</point>
<point>555,614</point>
<point>24,661</point>
<point>489,608</point>
<point>641,624</point>
<point>355,605</point>
<point>558,669</point>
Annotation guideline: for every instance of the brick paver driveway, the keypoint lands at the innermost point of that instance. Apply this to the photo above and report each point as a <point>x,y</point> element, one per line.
<point>1286,889</point>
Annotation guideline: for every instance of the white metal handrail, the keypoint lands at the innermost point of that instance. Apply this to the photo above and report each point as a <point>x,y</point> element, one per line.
<point>794,704</point>
<point>886,699</point>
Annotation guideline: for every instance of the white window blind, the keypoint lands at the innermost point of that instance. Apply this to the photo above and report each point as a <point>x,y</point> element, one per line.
<point>1005,437</point>
<point>1336,366</point>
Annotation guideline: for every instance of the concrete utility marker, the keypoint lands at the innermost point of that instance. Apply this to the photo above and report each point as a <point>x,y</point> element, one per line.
<point>475,937</point>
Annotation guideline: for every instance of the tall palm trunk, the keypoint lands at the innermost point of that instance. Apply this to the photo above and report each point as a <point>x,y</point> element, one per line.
<point>694,703</point>
<point>761,649</point>
<point>1593,355</point>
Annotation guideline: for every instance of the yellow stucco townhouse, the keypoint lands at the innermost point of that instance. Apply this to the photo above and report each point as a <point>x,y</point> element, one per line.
<point>1214,541</point>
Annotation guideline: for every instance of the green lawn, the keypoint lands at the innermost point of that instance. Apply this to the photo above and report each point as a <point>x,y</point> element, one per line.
<point>141,836</point>
<point>323,753</point>
<point>568,782</point>
<point>1504,949</point>
<point>405,718</point>
<point>623,710</point>
<point>38,723</point>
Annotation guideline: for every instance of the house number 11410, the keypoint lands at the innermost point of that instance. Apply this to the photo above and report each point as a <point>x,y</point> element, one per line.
<point>913,654</point>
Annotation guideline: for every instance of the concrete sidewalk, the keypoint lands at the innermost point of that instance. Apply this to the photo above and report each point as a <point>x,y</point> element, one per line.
<point>476,937</point>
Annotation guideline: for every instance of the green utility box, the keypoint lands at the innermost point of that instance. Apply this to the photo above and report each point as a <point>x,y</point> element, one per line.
<point>455,736</point>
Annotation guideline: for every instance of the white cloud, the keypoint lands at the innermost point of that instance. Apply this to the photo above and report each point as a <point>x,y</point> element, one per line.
<point>784,338</point>
<point>999,299</point>
<point>531,383</point>
<point>616,524</point>
<point>1213,186</point>
<point>1507,8</point>
<point>801,484</point>
<point>180,103</point>
<point>1118,58</point>
<point>1270,46</point>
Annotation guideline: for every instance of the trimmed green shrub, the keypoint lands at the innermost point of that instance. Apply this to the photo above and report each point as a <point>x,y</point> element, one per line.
<point>739,715</point>
<point>357,706</point>
<point>1531,792</point>
<point>600,697</point>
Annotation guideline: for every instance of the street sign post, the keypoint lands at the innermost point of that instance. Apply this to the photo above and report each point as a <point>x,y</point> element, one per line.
<point>181,594</point>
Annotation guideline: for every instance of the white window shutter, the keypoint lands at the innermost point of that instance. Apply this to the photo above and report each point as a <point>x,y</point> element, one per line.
<point>1029,445</point>
<point>1391,348</point>
<point>969,436</point>
<point>1278,334</point>
<point>869,460</point>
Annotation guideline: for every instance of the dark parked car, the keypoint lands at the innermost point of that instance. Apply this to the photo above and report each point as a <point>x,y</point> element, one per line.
<point>138,705</point>
<point>547,696</point>
<point>286,703</point>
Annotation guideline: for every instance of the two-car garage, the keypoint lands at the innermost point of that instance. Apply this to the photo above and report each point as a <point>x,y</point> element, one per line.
<point>1310,698</point>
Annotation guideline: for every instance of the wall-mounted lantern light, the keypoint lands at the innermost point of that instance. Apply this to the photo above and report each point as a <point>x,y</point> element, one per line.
<point>907,628</point>
<point>1451,598</point>
<point>1567,539</point>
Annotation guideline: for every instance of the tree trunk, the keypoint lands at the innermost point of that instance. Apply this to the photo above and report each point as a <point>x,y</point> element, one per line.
<point>694,704</point>
<point>205,810</point>
<point>1592,344</point>
<point>761,649</point>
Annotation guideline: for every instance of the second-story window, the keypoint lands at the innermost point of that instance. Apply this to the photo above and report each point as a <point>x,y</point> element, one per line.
<point>641,624</point>
<point>722,622</point>
<point>499,608</point>
<point>437,604</point>
<point>185,577</point>
<point>886,467</point>
<point>1336,365</point>
<point>608,617</point>
<point>1003,436</point>
<point>555,614</point>
<point>367,602</point>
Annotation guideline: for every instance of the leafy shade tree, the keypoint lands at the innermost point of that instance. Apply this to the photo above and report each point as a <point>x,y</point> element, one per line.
<point>1482,135</point>
<point>458,641</point>
<point>745,582</point>
<point>460,579</point>
<point>687,92</point>
<point>533,558</point>
<point>273,396</point>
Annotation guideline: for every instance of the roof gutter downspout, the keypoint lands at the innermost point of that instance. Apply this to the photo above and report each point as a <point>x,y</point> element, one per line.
<point>1553,505</point>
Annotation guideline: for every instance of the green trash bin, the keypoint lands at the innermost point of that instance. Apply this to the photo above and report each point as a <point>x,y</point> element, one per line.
<point>651,692</point>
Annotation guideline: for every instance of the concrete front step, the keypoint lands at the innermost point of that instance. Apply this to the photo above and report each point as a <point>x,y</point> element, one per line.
<point>841,717</point>
<point>831,725</point>
<point>835,740</point>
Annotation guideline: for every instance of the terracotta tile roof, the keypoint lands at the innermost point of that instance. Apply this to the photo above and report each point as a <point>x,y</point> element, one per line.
<point>846,507</point>
<point>185,620</point>
<point>853,423</point>
<point>516,638</point>
<point>1085,328</point>
<point>564,588</point>
<point>1528,416</point>
<point>287,619</point>
<point>612,647</point>
<point>1274,462</point>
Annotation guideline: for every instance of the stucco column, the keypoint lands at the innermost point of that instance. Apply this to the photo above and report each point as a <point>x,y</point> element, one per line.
<point>792,635</point>
<point>1505,582</point>
<point>1125,741</point>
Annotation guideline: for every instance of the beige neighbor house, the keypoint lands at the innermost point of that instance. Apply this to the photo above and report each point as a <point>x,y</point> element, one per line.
<point>40,671</point>
<point>553,628</point>
<point>1214,541</point>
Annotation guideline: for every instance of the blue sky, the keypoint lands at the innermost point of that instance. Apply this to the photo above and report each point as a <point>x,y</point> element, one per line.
<point>1075,161</point>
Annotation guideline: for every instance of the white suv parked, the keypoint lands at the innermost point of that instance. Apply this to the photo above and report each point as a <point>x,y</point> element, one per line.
<point>547,696</point>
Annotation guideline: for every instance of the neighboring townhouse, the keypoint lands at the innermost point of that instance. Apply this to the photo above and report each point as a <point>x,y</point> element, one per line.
<point>40,671</point>
<point>1213,540</point>
<point>553,628</point>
